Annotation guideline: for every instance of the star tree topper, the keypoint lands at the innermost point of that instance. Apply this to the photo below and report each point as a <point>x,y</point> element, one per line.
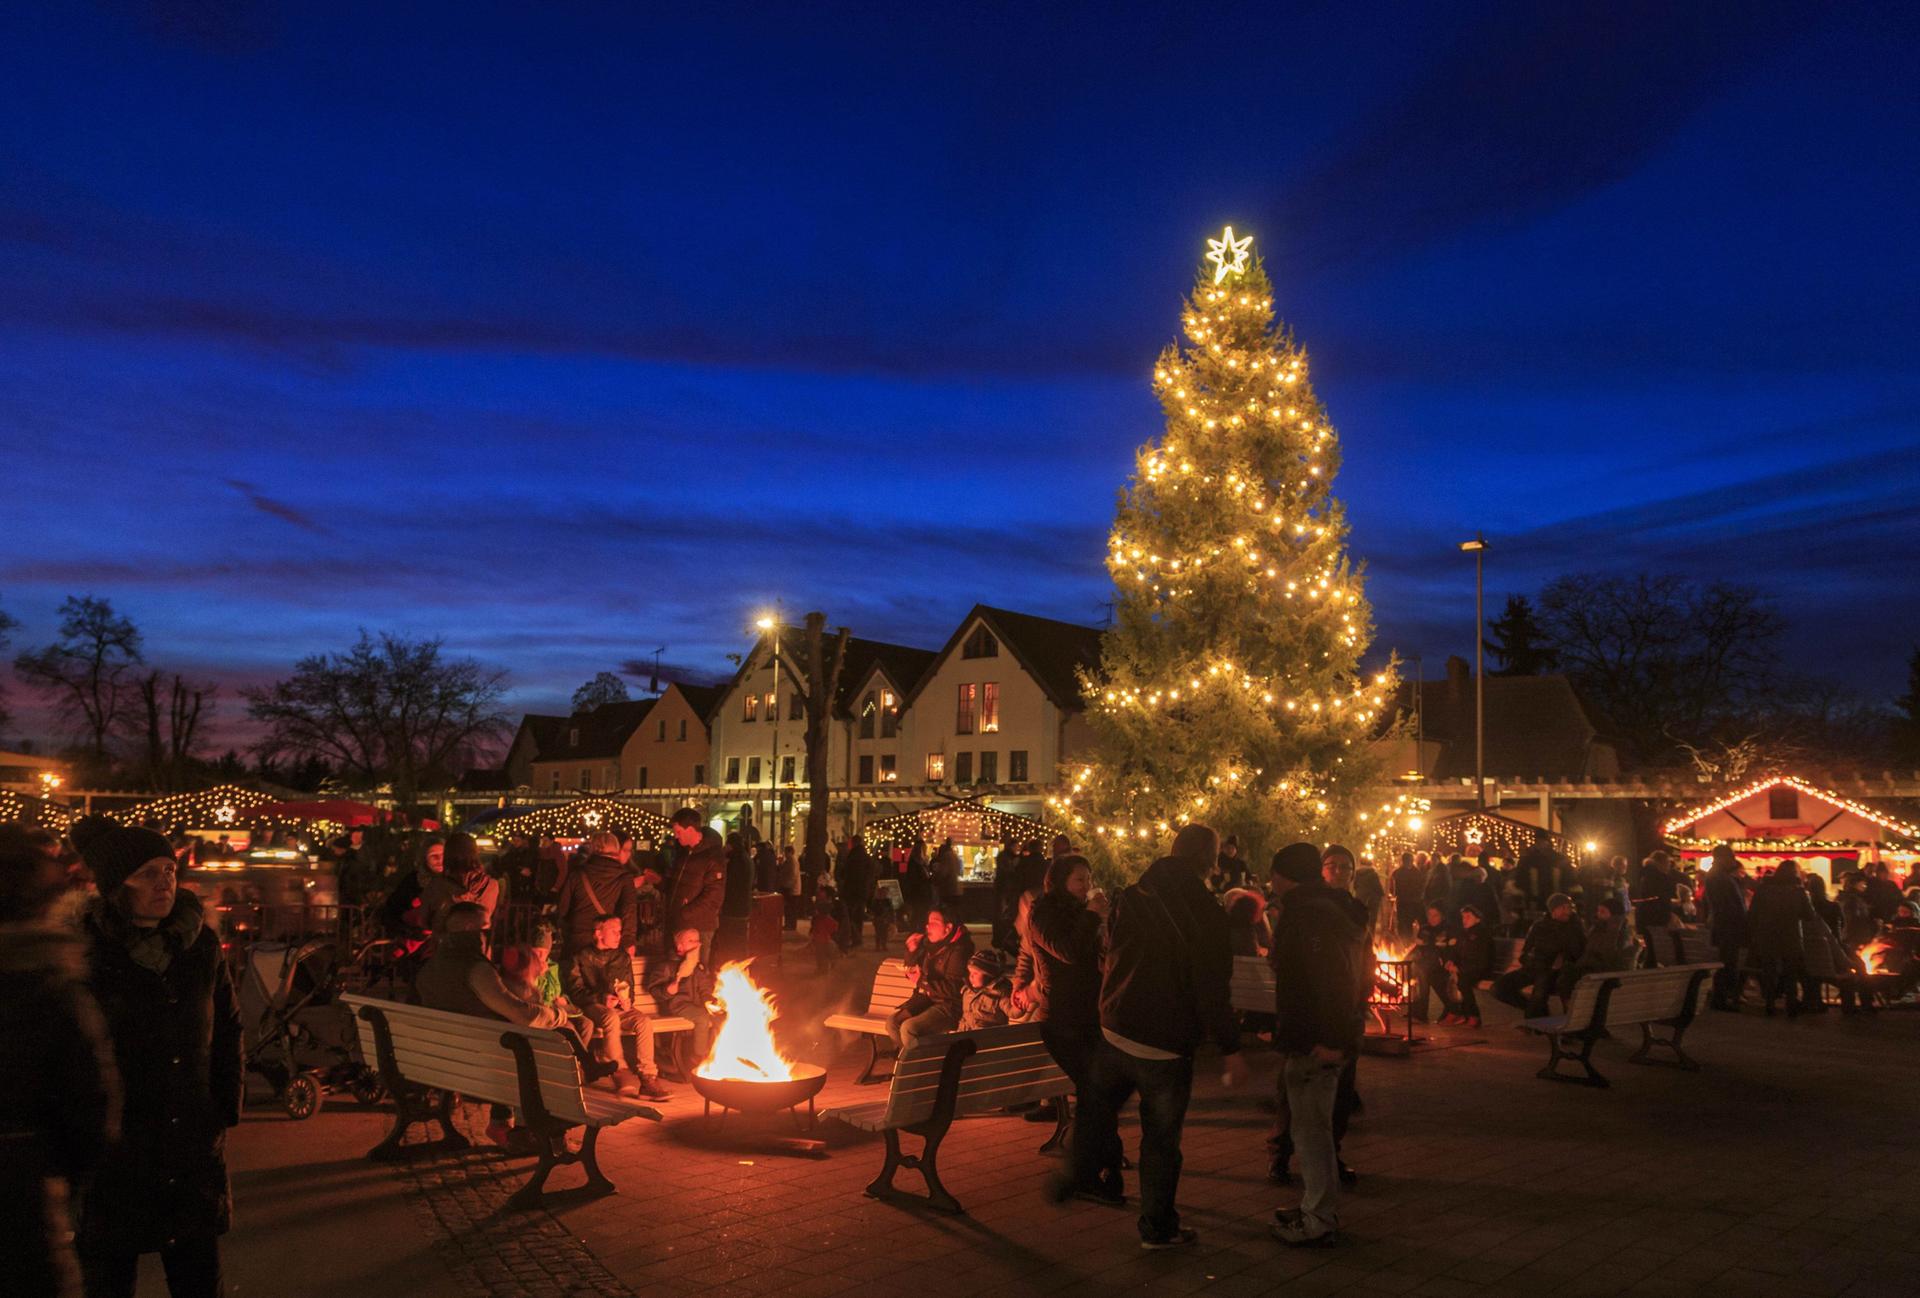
<point>1228,254</point>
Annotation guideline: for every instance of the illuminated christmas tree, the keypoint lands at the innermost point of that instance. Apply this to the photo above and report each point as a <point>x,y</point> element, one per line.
<point>1230,689</point>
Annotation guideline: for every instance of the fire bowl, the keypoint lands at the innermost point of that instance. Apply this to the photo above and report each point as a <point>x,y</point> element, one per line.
<point>745,1095</point>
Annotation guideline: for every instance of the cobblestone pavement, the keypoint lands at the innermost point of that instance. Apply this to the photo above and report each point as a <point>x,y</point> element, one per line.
<point>1784,1168</point>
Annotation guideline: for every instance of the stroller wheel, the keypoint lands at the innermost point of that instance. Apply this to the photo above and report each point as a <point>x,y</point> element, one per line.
<point>304,1096</point>
<point>367,1089</point>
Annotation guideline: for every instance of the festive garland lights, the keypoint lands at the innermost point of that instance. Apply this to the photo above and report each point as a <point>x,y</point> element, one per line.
<point>34,811</point>
<point>1471,832</point>
<point>582,817</point>
<point>1828,796</point>
<point>957,820</point>
<point>224,806</point>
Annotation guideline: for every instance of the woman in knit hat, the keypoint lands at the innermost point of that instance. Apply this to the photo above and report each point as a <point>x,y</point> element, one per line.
<point>155,968</point>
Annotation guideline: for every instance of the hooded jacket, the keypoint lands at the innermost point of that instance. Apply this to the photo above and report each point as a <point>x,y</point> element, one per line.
<point>1169,969</point>
<point>1780,906</point>
<point>457,978</point>
<point>175,1026</point>
<point>1552,943</point>
<point>59,1102</point>
<point>699,886</point>
<point>943,968</point>
<point>1320,968</point>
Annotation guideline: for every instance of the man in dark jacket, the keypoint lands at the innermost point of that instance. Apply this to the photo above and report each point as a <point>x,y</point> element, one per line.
<point>1166,989</point>
<point>1653,897</point>
<point>599,982</point>
<point>936,963</point>
<point>59,1093</point>
<point>1408,884</point>
<point>1320,969</point>
<point>600,884</point>
<point>1555,941</point>
<point>1726,897</point>
<point>1780,907</point>
<point>699,885</point>
<point>156,970</point>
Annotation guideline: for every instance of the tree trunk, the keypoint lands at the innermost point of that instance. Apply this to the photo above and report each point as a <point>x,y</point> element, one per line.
<point>823,664</point>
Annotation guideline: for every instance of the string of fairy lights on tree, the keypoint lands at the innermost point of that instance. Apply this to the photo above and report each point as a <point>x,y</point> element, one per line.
<point>1230,688</point>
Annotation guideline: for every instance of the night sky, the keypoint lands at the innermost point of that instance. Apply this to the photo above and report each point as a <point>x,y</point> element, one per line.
<point>570,331</point>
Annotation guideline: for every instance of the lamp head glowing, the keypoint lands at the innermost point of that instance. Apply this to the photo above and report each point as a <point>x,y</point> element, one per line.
<point>765,622</point>
<point>1474,546</point>
<point>1591,846</point>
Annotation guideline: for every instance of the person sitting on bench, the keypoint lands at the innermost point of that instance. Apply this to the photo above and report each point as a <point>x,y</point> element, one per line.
<point>1469,960</point>
<point>1611,948</point>
<point>984,1003</point>
<point>937,958</point>
<point>599,981</point>
<point>1554,941</point>
<point>681,986</point>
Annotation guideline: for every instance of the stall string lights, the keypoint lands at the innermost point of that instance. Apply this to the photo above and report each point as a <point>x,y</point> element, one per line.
<point>969,820</point>
<point>1869,814</point>
<point>34,811</point>
<point>582,817</point>
<point>1471,832</point>
<point>224,806</point>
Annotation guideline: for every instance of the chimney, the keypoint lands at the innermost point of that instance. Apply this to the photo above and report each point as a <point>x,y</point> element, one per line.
<point>1459,674</point>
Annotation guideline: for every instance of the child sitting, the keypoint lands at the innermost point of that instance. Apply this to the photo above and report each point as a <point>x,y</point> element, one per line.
<point>681,986</point>
<point>599,982</point>
<point>983,1003</point>
<point>820,932</point>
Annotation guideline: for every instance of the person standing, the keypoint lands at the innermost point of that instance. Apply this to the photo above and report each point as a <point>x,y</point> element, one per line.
<point>916,886</point>
<point>1062,941</point>
<point>1780,906</point>
<point>155,968</point>
<point>469,879</point>
<point>787,884</point>
<point>1653,907</point>
<point>59,1092</point>
<point>947,871</point>
<point>601,884</point>
<point>1165,990</point>
<point>1335,874</point>
<point>1320,993</point>
<point>1726,895</point>
<point>1407,885</point>
<point>700,882</point>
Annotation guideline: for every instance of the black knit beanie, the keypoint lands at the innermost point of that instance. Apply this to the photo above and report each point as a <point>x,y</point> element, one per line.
<point>1299,862</point>
<point>113,851</point>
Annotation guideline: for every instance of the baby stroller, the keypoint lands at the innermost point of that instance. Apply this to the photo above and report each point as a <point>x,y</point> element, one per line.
<point>298,1037</point>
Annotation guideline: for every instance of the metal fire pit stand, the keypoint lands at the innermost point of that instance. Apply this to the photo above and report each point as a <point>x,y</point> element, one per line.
<point>1392,991</point>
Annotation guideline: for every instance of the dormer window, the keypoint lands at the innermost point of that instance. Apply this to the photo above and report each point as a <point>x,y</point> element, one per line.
<point>573,736</point>
<point>980,644</point>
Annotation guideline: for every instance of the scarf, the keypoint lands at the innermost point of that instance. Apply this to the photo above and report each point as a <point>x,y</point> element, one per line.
<point>153,948</point>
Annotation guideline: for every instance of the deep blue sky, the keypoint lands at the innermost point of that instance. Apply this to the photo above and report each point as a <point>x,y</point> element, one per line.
<point>567,331</point>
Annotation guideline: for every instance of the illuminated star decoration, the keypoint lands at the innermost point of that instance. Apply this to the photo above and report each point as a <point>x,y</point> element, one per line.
<point>1227,249</point>
<point>226,815</point>
<point>592,818</point>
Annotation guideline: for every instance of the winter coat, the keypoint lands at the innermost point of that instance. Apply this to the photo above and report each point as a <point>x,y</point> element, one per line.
<point>946,875</point>
<point>1610,948</point>
<point>736,897</point>
<point>1726,909</point>
<point>699,886</point>
<point>1064,938</point>
<point>1321,968</point>
<point>1169,969</point>
<point>59,1103</point>
<point>1409,886</point>
<point>786,878</point>
<point>458,979</point>
<point>856,878</point>
<point>1552,942</point>
<point>175,1026</point>
<point>1780,906</point>
<point>1857,924</point>
<point>696,986</point>
<point>1476,892</point>
<point>480,888</point>
<point>1884,896</point>
<point>1472,954</point>
<point>984,1007</point>
<point>1653,900</point>
<point>593,887</point>
<point>943,969</point>
<point>916,888</point>
<point>593,975</point>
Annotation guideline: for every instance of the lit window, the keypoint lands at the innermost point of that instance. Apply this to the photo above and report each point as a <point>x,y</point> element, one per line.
<point>770,711</point>
<point>753,707</point>
<point>889,714</point>
<point>936,767</point>
<point>990,707</point>
<point>963,714</point>
<point>889,773</point>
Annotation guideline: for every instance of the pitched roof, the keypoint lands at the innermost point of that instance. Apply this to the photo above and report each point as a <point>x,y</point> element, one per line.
<point>1049,650</point>
<point>540,730</point>
<point>1536,726</point>
<point>904,664</point>
<point>703,699</point>
<point>602,732</point>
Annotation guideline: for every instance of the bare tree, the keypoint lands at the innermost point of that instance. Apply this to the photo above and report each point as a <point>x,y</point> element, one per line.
<point>1668,661</point>
<point>814,673</point>
<point>603,689</point>
<point>390,710</point>
<point>169,725</point>
<point>7,627</point>
<point>82,671</point>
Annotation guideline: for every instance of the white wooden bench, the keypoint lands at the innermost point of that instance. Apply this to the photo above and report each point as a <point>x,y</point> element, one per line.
<point>1253,989</point>
<point>1650,998</point>
<point>891,988</point>
<point>678,1030</point>
<point>956,1075</point>
<point>1673,947</point>
<point>537,1070</point>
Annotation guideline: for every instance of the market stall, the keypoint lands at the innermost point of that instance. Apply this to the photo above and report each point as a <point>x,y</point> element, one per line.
<point>34,811</point>
<point>1785,818</point>
<point>581,817</point>
<point>1469,833</point>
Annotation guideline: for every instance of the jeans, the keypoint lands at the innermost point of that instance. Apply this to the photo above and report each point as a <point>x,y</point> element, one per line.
<point>1074,1051</point>
<point>918,1019</point>
<point>1312,1090</point>
<point>1508,985</point>
<point>610,1029</point>
<point>1164,1086</point>
<point>192,1267</point>
<point>694,1010</point>
<point>1345,1101</point>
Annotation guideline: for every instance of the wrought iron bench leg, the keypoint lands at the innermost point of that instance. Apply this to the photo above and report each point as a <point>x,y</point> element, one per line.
<point>597,1182</point>
<point>1552,1071</point>
<point>530,1194</point>
<point>866,1077</point>
<point>450,1135</point>
<point>1062,1125</point>
<point>882,1185</point>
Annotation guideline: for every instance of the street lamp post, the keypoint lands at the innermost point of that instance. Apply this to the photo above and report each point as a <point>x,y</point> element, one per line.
<point>1477,547</point>
<point>771,625</point>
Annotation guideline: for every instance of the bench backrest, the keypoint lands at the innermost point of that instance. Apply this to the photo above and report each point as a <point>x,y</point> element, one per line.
<point>890,987</point>
<point>459,1052</point>
<point>642,998</point>
<point>1008,1066</point>
<point>1681,946</point>
<point>1638,996</point>
<point>1253,988</point>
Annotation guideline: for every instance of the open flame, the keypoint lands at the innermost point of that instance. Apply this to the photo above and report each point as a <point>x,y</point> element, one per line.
<point>743,1048</point>
<point>1392,980</point>
<point>1874,957</point>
